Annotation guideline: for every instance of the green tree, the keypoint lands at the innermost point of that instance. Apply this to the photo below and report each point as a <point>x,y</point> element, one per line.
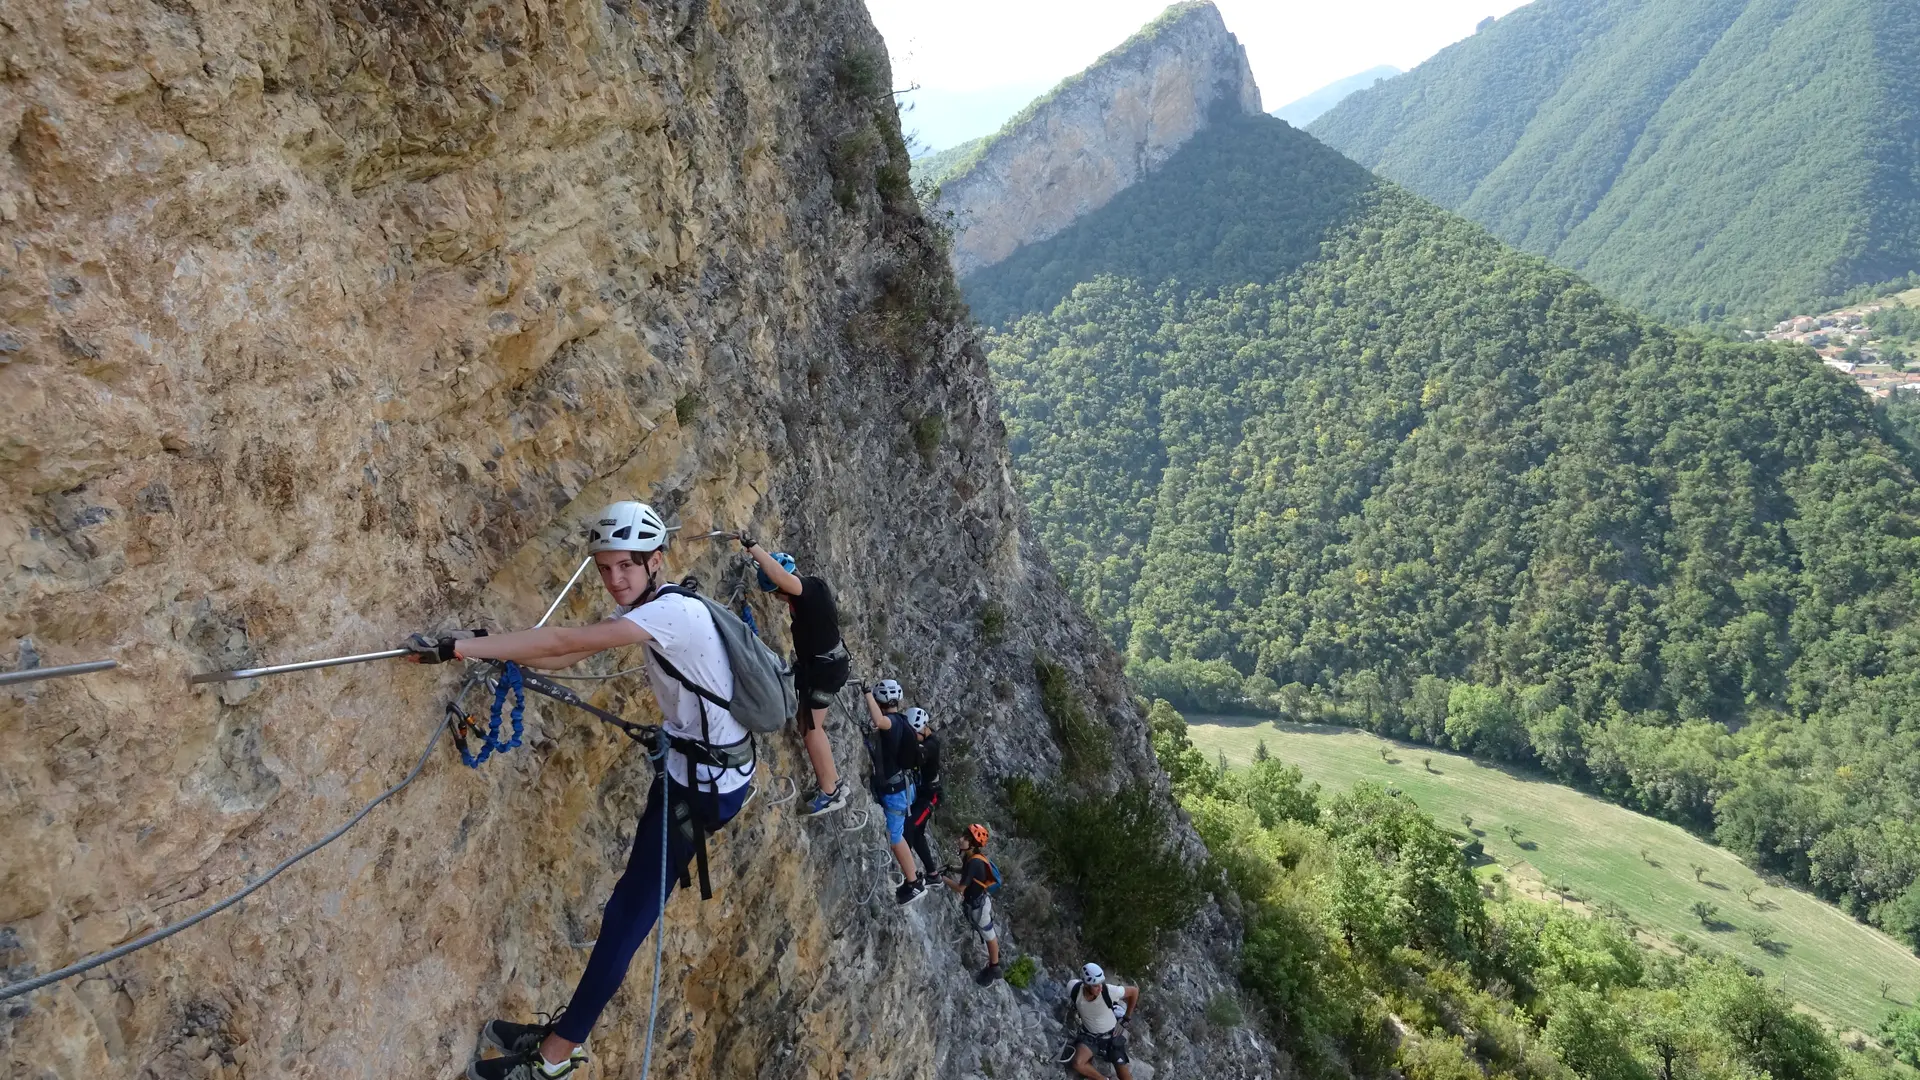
<point>1901,1033</point>
<point>1901,916</point>
<point>1186,767</point>
<point>1571,949</point>
<point>1482,721</point>
<point>1594,1040</point>
<point>1122,859</point>
<point>1427,708</point>
<point>1766,1033</point>
<point>1398,880</point>
<point>1275,791</point>
<point>1665,1035</point>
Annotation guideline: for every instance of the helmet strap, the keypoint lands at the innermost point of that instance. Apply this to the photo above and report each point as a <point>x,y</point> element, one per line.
<point>653,579</point>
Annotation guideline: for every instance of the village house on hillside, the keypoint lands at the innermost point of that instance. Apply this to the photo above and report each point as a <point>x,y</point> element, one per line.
<point>1845,343</point>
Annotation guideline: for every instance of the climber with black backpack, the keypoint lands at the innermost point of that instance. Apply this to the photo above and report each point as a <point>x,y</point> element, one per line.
<point>894,753</point>
<point>977,881</point>
<point>926,789</point>
<point>1103,1011</point>
<point>715,685</point>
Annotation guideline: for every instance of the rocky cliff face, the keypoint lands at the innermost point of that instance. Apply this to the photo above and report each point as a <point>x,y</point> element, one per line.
<point>1097,133</point>
<point>325,320</point>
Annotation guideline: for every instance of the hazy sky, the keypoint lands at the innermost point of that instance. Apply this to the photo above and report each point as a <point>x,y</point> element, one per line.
<point>965,49</point>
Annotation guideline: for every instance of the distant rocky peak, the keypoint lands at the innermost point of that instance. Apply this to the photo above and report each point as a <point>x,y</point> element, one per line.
<point>1097,133</point>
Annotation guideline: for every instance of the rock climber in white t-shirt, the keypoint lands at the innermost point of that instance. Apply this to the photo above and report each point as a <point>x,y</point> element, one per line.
<point>1103,1009</point>
<point>628,542</point>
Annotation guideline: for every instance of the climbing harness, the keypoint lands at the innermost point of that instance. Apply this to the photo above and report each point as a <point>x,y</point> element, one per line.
<point>28,675</point>
<point>645,734</point>
<point>510,680</point>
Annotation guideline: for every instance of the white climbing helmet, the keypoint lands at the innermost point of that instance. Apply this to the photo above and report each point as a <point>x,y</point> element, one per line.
<point>887,692</point>
<point>627,526</point>
<point>918,720</point>
<point>1093,976</point>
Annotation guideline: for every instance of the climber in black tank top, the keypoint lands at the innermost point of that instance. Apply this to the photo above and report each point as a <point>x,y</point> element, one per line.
<point>820,667</point>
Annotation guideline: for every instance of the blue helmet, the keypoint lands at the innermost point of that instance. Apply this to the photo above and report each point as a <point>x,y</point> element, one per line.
<point>786,563</point>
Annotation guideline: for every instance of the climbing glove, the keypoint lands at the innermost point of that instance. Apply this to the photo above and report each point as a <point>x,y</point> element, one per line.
<point>431,649</point>
<point>747,542</point>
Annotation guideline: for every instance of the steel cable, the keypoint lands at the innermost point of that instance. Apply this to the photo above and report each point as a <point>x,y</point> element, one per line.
<point>38,981</point>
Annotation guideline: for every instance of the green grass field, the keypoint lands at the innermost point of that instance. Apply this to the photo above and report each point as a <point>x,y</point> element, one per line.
<point>1822,958</point>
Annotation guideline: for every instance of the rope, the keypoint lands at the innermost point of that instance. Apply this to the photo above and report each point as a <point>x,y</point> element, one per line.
<point>659,923</point>
<point>163,933</point>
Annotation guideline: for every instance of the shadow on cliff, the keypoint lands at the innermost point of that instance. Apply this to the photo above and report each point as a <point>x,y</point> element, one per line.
<point>1248,200</point>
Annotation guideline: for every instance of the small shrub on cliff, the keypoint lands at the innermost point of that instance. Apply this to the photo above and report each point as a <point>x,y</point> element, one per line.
<point>1119,857</point>
<point>927,433</point>
<point>993,622</point>
<point>894,180</point>
<point>852,163</point>
<point>861,73</point>
<point>1224,1012</point>
<point>1021,974</point>
<point>1085,746</point>
<point>687,406</point>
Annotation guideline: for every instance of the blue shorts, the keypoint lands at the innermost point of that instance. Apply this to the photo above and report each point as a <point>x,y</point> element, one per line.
<point>897,805</point>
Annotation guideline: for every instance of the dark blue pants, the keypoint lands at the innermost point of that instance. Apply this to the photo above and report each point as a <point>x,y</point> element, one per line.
<point>635,904</point>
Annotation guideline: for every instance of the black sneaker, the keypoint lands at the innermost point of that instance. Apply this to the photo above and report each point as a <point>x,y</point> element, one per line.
<point>911,891</point>
<point>987,975</point>
<point>527,1066</point>
<point>512,1038</point>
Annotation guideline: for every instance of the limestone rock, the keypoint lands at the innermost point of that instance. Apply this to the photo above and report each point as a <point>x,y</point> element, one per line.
<point>1097,133</point>
<point>323,321</point>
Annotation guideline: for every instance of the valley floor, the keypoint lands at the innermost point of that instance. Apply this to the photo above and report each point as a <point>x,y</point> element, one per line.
<point>1601,854</point>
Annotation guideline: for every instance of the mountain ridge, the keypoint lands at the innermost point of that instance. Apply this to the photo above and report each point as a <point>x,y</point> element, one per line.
<point>1308,108</point>
<point>1093,135</point>
<point>1727,159</point>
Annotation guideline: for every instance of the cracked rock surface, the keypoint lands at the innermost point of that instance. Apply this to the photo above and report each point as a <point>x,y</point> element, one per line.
<point>323,321</point>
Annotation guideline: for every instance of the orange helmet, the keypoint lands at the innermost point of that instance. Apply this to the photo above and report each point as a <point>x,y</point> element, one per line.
<point>977,834</point>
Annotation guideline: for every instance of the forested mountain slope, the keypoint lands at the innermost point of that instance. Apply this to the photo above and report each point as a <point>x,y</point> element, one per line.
<point>1702,160</point>
<point>1304,441</point>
